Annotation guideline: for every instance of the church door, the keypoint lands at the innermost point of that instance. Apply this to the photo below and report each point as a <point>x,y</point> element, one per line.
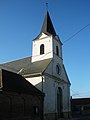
<point>59,102</point>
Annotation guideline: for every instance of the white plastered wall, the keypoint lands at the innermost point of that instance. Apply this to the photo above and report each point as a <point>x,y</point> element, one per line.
<point>47,41</point>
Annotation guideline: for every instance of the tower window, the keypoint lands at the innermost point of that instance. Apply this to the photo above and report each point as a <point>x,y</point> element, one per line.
<point>58,69</point>
<point>57,51</point>
<point>42,49</point>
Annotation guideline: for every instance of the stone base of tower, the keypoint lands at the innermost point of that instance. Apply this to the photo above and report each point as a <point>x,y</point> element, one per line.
<point>54,116</point>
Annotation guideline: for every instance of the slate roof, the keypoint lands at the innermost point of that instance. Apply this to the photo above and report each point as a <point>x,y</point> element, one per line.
<point>16,83</point>
<point>47,26</point>
<point>25,66</point>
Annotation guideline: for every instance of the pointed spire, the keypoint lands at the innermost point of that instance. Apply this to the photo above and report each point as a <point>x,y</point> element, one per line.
<point>47,26</point>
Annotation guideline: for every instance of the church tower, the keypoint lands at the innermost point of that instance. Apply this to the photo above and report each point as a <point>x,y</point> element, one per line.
<point>53,80</point>
<point>47,44</point>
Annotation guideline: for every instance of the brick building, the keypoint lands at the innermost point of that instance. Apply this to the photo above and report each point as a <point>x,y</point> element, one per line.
<point>18,98</point>
<point>80,106</point>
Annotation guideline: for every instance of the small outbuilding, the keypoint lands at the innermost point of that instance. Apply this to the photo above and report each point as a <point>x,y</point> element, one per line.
<point>80,106</point>
<point>19,98</point>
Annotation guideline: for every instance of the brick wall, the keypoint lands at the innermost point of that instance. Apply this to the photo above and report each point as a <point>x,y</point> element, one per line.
<point>14,105</point>
<point>80,106</point>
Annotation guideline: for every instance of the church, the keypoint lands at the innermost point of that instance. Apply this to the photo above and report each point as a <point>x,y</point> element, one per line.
<point>45,70</point>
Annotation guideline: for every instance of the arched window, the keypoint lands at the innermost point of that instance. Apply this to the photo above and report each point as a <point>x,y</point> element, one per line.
<point>41,49</point>
<point>57,51</point>
<point>58,69</point>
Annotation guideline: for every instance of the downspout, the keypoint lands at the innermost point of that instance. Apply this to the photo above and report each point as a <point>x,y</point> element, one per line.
<point>42,100</point>
<point>42,83</point>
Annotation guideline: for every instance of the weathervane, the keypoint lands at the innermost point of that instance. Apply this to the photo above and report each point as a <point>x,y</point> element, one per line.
<point>47,5</point>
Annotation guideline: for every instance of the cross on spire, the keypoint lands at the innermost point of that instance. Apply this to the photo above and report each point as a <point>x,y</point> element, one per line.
<point>47,5</point>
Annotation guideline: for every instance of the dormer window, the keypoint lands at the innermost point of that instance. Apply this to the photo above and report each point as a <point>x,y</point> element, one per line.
<point>41,49</point>
<point>57,51</point>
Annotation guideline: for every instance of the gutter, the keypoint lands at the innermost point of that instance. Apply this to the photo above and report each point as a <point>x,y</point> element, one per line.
<point>32,75</point>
